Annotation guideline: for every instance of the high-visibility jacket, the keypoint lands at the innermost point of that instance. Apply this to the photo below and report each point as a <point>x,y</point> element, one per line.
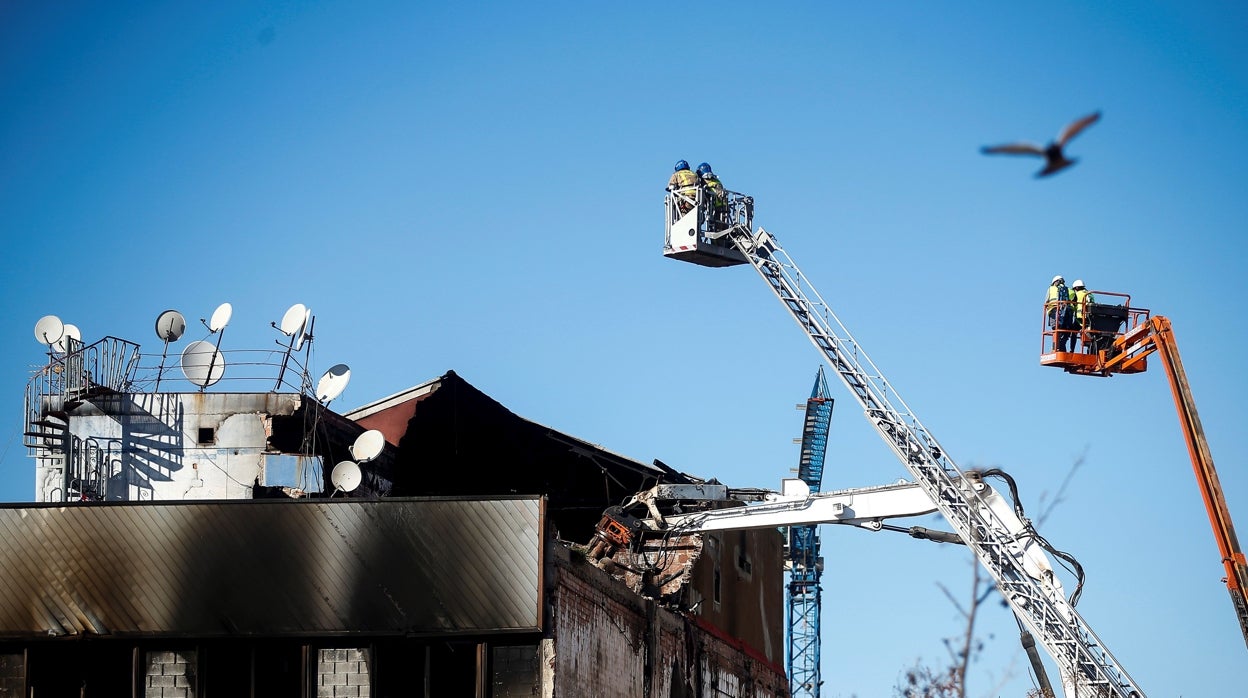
<point>715,188</point>
<point>1058,305</point>
<point>1057,292</point>
<point>1082,297</point>
<point>683,180</point>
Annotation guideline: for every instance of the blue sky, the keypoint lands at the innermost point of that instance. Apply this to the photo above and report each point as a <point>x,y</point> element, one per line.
<point>479,188</point>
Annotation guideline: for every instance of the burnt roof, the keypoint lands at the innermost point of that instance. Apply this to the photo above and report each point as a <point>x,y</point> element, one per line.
<point>458,441</point>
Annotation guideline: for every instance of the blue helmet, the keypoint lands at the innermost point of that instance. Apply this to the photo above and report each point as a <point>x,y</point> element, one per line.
<point>681,165</point>
<point>704,169</point>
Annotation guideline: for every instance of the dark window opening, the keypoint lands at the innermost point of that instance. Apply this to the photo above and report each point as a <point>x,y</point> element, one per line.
<point>515,672</point>
<point>743,558</point>
<point>207,435</point>
<point>279,670</point>
<point>102,669</point>
<point>416,669</point>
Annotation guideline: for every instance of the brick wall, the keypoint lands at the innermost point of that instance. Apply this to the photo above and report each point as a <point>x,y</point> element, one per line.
<point>611,643</point>
<point>170,674</point>
<point>342,673</point>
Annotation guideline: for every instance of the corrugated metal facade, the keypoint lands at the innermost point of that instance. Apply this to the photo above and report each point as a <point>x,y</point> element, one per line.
<point>272,568</point>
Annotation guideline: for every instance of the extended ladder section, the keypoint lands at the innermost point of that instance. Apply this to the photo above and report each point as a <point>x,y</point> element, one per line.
<point>1086,664</point>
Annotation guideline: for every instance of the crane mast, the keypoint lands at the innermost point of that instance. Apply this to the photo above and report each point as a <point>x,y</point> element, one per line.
<point>726,239</point>
<point>804,562</point>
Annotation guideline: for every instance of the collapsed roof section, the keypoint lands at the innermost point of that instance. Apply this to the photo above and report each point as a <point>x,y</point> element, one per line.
<point>454,440</point>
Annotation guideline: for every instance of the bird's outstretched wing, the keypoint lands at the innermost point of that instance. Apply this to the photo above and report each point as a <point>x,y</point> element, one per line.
<point>1074,128</point>
<point>1013,149</point>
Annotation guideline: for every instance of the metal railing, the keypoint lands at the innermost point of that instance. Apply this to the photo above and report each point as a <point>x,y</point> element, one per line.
<point>114,365</point>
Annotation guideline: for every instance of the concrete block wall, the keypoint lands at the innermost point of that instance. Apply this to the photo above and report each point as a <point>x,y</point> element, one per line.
<point>343,673</point>
<point>170,674</point>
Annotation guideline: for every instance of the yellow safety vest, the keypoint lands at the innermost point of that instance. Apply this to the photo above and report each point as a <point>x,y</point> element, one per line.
<point>1082,297</point>
<point>715,188</point>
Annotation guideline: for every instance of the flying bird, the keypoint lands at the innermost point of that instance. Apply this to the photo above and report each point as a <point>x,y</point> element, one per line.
<point>1054,159</point>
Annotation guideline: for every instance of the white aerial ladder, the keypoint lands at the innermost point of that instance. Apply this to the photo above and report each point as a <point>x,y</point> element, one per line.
<point>698,232</point>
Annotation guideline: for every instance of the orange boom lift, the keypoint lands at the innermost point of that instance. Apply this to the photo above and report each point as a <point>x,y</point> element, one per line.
<point>1117,338</point>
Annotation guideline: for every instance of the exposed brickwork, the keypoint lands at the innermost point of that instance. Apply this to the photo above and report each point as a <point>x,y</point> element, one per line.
<point>743,569</point>
<point>343,673</point>
<point>170,674</point>
<point>611,643</point>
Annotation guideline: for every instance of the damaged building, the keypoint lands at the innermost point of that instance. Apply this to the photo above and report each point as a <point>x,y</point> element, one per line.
<point>200,542</point>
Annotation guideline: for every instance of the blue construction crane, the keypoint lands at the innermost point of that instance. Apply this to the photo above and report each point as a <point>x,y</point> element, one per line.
<point>805,566</point>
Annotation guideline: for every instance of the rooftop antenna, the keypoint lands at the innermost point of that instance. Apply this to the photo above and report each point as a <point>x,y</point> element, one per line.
<point>65,344</point>
<point>202,364</point>
<point>332,383</point>
<point>293,324</point>
<point>169,328</point>
<point>48,331</point>
<point>216,325</point>
<point>220,318</point>
<point>345,477</point>
<point>368,445</point>
<point>308,322</point>
<point>305,342</point>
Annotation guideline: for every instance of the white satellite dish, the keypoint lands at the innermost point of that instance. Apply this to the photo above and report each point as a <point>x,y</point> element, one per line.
<point>170,325</point>
<point>64,345</point>
<point>333,382</point>
<point>346,476</point>
<point>202,363</point>
<point>368,445</point>
<point>292,321</point>
<point>303,331</point>
<point>49,329</point>
<point>220,317</point>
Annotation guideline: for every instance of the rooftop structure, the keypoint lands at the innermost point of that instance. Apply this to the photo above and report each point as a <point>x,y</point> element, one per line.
<point>206,524</point>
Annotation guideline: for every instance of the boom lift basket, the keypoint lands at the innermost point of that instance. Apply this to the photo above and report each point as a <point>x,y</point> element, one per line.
<point>697,226</point>
<point>1090,343</point>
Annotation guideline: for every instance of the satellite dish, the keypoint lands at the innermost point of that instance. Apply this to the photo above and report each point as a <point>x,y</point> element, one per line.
<point>333,382</point>
<point>293,320</point>
<point>202,363</point>
<point>368,445</point>
<point>64,345</point>
<point>346,476</point>
<point>49,329</point>
<point>220,317</point>
<point>170,325</point>
<point>303,331</point>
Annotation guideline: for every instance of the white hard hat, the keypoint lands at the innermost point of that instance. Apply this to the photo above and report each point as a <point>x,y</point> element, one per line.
<point>1078,283</point>
<point>1057,279</point>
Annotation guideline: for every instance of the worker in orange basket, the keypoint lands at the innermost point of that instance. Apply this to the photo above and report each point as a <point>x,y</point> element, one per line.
<point>1081,297</point>
<point>717,206</point>
<point>1061,317</point>
<point>683,181</point>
